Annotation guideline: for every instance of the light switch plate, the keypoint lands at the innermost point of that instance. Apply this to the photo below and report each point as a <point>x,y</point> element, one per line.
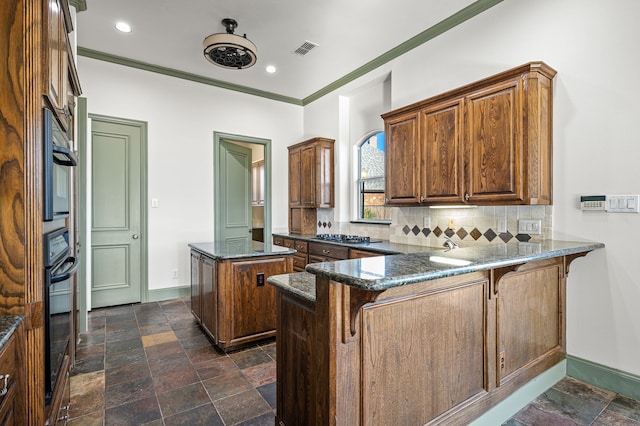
<point>530,226</point>
<point>622,203</point>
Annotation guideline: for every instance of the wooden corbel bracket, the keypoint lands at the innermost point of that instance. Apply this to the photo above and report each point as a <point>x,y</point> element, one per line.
<point>498,273</point>
<point>570,258</point>
<point>353,300</point>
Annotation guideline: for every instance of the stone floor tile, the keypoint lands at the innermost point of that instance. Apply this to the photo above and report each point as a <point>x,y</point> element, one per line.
<point>226,385</point>
<point>203,415</point>
<point>628,407</point>
<point>215,367</point>
<point>261,374</point>
<point>166,380</point>
<point>183,399</point>
<point>136,412</point>
<point>156,339</point>
<point>124,393</point>
<point>241,407</point>
<point>249,358</point>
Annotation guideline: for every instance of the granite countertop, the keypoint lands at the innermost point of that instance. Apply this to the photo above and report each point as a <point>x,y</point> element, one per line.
<point>8,325</point>
<point>302,284</point>
<point>381,273</point>
<point>222,250</point>
<point>383,247</point>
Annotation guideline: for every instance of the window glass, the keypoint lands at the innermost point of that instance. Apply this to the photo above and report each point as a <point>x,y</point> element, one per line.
<point>371,180</point>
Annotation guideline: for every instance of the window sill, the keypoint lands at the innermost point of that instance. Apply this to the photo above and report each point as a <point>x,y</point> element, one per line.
<point>372,222</point>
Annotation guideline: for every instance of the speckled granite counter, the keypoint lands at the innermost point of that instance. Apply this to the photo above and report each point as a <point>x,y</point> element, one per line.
<point>380,273</point>
<point>302,284</point>
<point>8,325</point>
<point>383,247</point>
<point>221,250</point>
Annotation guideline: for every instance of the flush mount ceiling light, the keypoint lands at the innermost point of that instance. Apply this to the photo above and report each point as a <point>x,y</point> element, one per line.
<point>229,50</point>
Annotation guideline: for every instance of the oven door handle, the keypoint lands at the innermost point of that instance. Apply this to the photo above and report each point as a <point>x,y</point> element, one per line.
<point>56,278</point>
<point>70,158</point>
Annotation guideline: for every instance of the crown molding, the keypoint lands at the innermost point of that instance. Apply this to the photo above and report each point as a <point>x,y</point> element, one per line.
<point>132,63</point>
<point>430,33</point>
<point>80,5</point>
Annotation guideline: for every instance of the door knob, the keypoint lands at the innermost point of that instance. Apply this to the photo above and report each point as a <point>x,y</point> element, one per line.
<point>134,236</point>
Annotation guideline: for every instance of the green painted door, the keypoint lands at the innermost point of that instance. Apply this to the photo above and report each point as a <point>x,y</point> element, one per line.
<point>234,177</point>
<point>116,181</point>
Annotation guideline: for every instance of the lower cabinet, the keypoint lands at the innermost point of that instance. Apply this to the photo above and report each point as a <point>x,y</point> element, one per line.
<point>436,352</point>
<point>236,305</point>
<point>10,401</point>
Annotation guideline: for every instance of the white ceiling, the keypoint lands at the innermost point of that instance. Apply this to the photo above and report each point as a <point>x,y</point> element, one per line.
<point>169,33</point>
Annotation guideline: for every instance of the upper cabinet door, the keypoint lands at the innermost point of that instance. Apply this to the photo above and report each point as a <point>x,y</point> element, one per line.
<point>494,143</point>
<point>402,160</point>
<point>294,178</point>
<point>58,61</point>
<point>442,132</point>
<point>308,176</point>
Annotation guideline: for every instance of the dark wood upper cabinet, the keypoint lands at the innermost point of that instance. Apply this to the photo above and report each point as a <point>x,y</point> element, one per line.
<point>489,142</point>
<point>402,159</point>
<point>311,173</point>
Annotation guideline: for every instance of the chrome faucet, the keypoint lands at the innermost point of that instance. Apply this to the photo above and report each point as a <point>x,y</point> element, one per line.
<point>450,244</point>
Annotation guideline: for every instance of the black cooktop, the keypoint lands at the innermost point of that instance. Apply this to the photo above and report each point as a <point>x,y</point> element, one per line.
<point>343,238</point>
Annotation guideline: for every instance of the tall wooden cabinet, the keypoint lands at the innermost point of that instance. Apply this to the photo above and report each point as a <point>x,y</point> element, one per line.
<point>38,71</point>
<point>489,142</point>
<point>311,182</point>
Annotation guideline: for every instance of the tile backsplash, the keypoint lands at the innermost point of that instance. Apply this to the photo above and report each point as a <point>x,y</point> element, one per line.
<point>423,226</point>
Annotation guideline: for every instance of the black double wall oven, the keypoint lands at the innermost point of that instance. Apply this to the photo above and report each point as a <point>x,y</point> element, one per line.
<point>58,255</point>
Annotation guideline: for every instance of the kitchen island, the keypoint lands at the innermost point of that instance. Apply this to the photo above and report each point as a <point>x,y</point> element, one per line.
<point>424,338</point>
<point>229,298</point>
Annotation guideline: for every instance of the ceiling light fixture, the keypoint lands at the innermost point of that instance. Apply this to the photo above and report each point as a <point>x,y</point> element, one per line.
<point>270,69</point>
<point>124,27</point>
<point>229,50</point>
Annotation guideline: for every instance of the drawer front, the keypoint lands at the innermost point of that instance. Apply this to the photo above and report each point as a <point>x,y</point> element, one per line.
<point>299,262</point>
<point>329,250</point>
<point>313,258</point>
<point>358,254</point>
<point>278,241</point>
<point>301,246</point>
<point>288,243</point>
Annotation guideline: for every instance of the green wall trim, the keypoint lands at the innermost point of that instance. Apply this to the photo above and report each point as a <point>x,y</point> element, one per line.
<point>615,380</point>
<point>428,34</point>
<point>441,27</point>
<point>80,5</point>
<point>160,294</point>
<point>132,63</point>
<point>520,398</point>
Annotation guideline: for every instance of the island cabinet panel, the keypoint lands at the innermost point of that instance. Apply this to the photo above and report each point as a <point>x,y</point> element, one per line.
<point>402,159</point>
<point>530,305</point>
<point>489,142</point>
<point>236,306</point>
<point>423,355</point>
<point>196,286</point>
<point>441,351</point>
<point>209,313</point>
<point>296,391</point>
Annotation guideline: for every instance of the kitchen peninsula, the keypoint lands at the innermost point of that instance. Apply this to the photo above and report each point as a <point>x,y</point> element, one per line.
<point>422,338</point>
<point>229,298</point>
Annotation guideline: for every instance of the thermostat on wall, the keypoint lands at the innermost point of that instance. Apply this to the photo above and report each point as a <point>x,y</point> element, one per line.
<point>593,202</point>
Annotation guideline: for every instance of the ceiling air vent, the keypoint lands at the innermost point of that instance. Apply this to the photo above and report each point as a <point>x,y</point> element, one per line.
<point>305,48</point>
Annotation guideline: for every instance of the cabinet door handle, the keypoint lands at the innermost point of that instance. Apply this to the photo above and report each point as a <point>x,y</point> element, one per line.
<point>466,196</point>
<point>5,389</point>
<point>326,251</point>
<point>422,200</point>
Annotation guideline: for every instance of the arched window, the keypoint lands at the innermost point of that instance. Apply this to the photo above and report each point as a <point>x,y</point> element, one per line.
<point>371,180</point>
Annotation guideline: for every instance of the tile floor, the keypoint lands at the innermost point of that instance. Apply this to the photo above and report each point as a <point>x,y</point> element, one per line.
<point>150,364</point>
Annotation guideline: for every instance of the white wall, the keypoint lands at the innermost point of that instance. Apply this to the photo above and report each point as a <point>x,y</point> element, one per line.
<point>182,117</point>
<point>591,44</point>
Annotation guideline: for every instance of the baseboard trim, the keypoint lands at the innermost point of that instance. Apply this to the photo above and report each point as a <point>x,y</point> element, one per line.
<point>615,380</point>
<point>160,294</point>
<point>523,396</point>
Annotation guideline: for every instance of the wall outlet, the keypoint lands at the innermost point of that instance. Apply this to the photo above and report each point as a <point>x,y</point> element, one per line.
<point>174,274</point>
<point>531,227</point>
<point>155,203</point>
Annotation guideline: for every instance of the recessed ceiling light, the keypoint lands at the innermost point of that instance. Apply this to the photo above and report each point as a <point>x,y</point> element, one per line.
<point>270,69</point>
<point>124,27</point>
